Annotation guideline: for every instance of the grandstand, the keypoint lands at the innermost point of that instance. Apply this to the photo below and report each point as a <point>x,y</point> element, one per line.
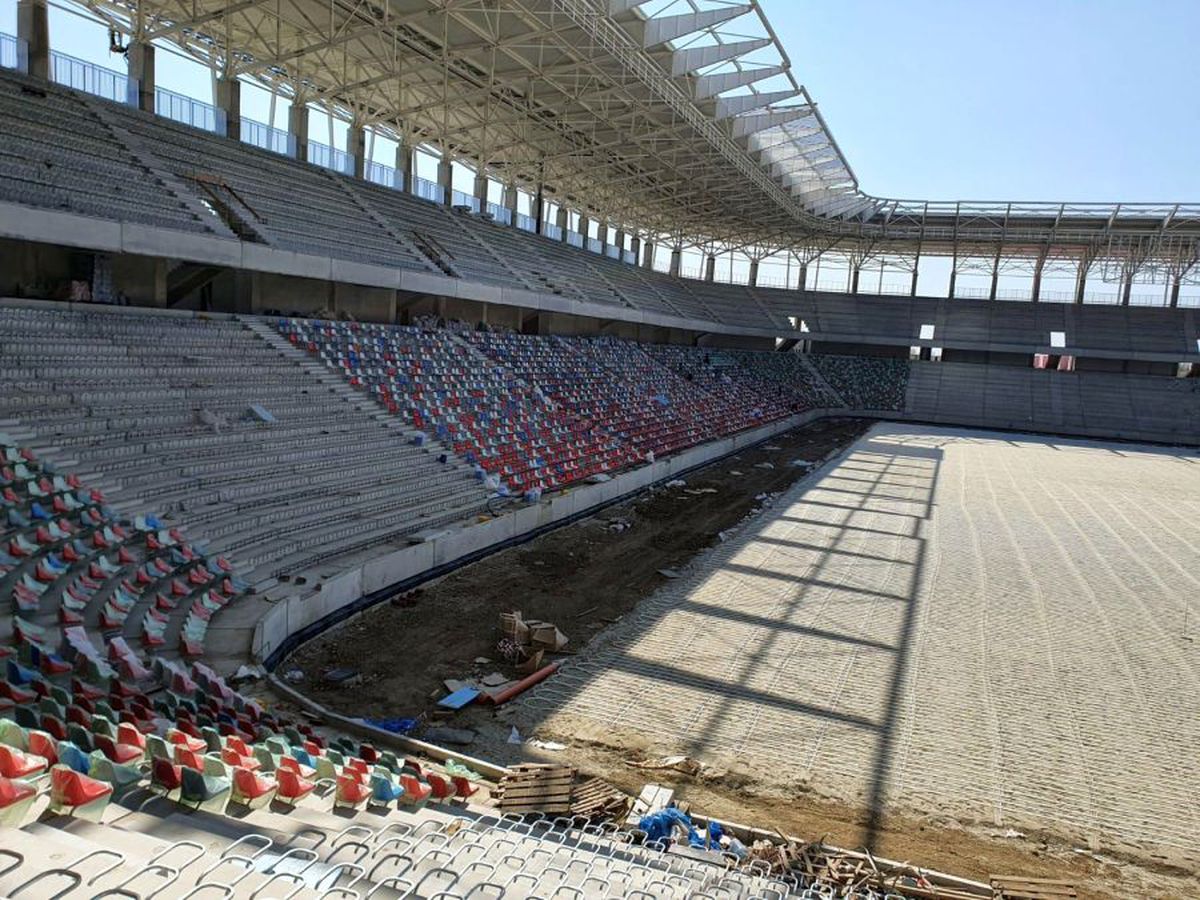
<point>253,386</point>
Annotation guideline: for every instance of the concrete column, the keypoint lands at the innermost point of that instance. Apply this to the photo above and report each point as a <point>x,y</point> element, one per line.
<point>1037,282</point>
<point>140,57</point>
<point>539,209</point>
<point>228,94</point>
<point>953,278</point>
<point>356,146</point>
<point>33,29</point>
<point>510,203</point>
<point>445,178</point>
<point>1080,283</point>
<point>584,225</point>
<point>710,268</point>
<point>564,219</point>
<point>602,236</point>
<point>619,240</point>
<point>754,273</point>
<point>635,247</point>
<point>855,273</point>
<point>913,291</point>
<point>802,283</point>
<point>481,190</point>
<point>676,261</point>
<point>404,166</point>
<point>1127,290</point>
<point>648,254</point>
<point>298,128</point>
<point>1175,284</point>
<point>995,284</point>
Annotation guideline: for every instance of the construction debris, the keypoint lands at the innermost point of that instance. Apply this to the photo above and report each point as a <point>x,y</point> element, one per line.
<point>597,799</point>
<point>536,787</point>
<point>684,764</point>
<point>1015,887</point>
<point>852,874</point>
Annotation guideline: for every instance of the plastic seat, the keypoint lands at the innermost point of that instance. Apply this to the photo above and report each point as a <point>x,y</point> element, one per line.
<point>44,745</point>
<point>208,792</point>
<point>182,739</point>
<point>81,796</point>
<point>117,753</point>
<point>13,735</point>
<point>290,763</point>
<point>291,787</point>
<point>16,797</point>
<point>416,793</point>
<point>251,789</point>
<point>16,763</point>
<point>72,756</point>
<point>119,776</point>
<point>384,790</point>
<point>165,775</point>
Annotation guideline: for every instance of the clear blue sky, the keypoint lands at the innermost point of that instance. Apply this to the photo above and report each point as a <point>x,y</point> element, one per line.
<point>1006,99</point>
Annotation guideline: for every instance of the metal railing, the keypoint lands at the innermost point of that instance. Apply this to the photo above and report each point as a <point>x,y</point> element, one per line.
<point>188,111</point>
<point>385,175</point>
<point>552,231</point>
<point>90,78</point>
<point>256,134</point>
<point>575,239</point>
<point>629,257</point>
<point>459,198</point>
<point>330,158</point>
<point>501,214</point>
<point>13,53</point>
<point>528,223</point>
<point>594,245</point>
<point>428,190</point>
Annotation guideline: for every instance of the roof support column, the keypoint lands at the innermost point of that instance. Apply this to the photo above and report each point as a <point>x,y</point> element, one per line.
<point>480,189</point>
<point>648,249</point>
<point>1127,289</point>
<point>953,278</point>
<point>539,209</point>
<point>602,237</point>
<point>228,93</point>
<point>445,178</point>
<point>754,273</point>
<point>404,165</point>
<point>676,261</point>
<point>140,56</point>
<point>802,283</point>
<point>584,225</point>
<point>855,273</point>
<point>916,272</point>
<point>298,127</point>
<point>1037,276</point>
<point>510,203</point>
<point>620,242</point>
<point>356,146</point>
<point>710,268</point>
<point>1081,280</point>
<point>1175,284</point>
<point>995,276</point>
<point>33,30</point>
<point>563,220</point>
<point>635,247</point>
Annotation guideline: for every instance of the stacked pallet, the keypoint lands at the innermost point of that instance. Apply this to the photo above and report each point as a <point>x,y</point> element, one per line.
<point>536,787</point>
<point>1016,887</point>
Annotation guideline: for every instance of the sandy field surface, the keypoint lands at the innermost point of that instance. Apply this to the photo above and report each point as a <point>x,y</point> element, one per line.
<point>952,623</point>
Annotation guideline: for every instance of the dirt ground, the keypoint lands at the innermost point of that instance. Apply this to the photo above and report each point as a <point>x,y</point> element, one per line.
<point>591,574</point>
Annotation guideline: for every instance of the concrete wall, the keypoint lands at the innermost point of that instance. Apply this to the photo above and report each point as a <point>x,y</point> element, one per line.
<point>301,617</point>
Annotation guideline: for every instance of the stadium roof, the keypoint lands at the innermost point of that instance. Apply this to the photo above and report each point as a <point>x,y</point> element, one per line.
<point>680,119</point>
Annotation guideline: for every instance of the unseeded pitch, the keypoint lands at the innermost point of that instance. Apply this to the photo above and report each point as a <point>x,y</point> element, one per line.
<point>977,624</point>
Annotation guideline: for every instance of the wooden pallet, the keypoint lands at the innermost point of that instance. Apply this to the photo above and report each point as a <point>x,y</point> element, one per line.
<point>536,787</point>
<point>597,798</point>
<point>1015,887</point>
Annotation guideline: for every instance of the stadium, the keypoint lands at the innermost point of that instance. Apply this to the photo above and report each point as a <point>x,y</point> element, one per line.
<point>497,449</point>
